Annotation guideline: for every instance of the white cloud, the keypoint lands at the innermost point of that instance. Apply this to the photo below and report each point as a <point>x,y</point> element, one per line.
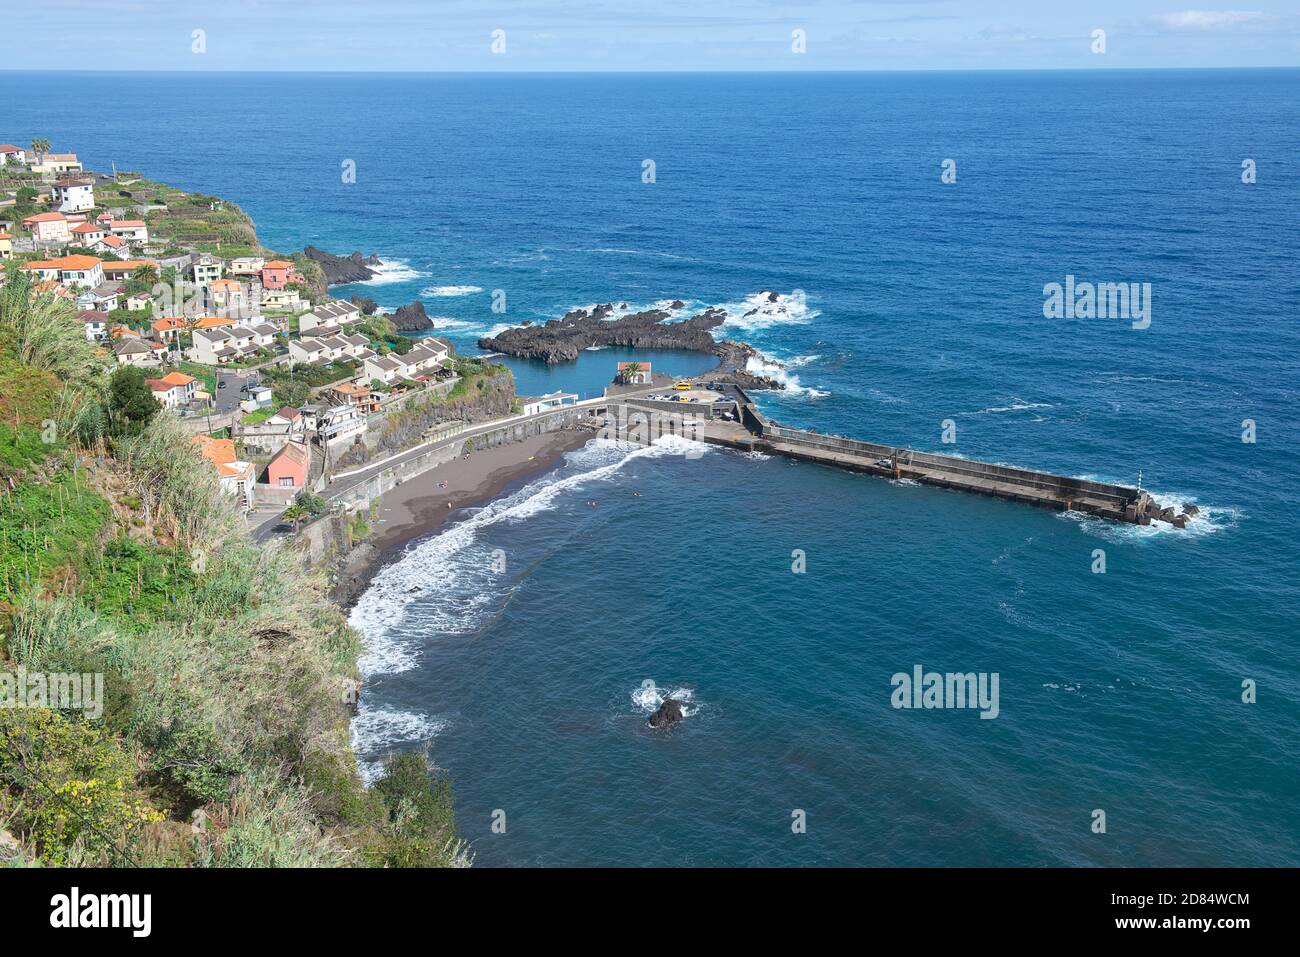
<point>1206,19</point>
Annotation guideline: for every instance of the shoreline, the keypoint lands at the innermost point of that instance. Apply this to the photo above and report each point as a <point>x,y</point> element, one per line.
<point>418,507</point>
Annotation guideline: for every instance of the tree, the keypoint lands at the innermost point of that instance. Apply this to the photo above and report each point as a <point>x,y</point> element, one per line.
<point>40,147</point>
<point>130,400</point>
<point>142,281</point>
<point>295,515</point>
<point>631,371</point>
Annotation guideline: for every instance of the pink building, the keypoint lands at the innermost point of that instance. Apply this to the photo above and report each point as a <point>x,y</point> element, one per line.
<point>289,467</point>
<point>277,274</point>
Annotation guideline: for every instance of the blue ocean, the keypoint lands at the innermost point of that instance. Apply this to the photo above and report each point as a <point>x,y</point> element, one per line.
<point>1162,692</point>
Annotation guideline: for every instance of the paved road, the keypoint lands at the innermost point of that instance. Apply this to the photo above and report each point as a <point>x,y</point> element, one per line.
<point>264,529</point>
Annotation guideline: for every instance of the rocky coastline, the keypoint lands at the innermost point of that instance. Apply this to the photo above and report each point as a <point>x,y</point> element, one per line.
<point>560,340</point>
<point>343,269</point>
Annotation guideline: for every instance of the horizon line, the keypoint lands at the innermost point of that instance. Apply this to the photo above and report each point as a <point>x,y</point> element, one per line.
<point>653,72</point>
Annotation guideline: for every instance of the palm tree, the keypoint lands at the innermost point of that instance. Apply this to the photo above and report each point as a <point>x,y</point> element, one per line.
<point>40,146</point>
<point>630,372</point>
<point>295,514</point>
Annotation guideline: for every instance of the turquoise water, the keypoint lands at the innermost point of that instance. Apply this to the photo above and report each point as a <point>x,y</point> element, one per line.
<point>923,303</point>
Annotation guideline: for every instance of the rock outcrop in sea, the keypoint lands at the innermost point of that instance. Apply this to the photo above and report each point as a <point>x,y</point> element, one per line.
<point>342,269</point>
<point>669,714</point>
<point>411,318</point>
<point>560,340</point>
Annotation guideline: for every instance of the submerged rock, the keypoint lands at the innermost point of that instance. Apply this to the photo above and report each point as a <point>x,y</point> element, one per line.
<point>669,714</point>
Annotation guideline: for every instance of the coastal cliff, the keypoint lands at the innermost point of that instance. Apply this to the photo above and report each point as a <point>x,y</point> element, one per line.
<point>229,680</point>
<point>342,269</point>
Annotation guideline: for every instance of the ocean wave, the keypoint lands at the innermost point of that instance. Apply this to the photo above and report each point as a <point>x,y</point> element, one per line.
<point>456,567</point>
<point>1210,520</point>
<point>376,731</point>
<point>648,696</point>
<point>766,365</point>
<point>439,292</point>
<point>391,271</point>
<point>756,312</point>
<point>1016,405</point>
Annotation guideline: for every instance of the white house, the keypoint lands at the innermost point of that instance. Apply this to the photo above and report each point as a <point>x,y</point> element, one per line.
<point>173,390</point>
<point>246,266</point>
<point>286,300</point>
<point>222,344</point>
<point>548,402</point>
<point>256,396</point>
<point>206,269</point>
<point>307,351</point>
<point>103,297</point>
<point>73,194</point>
<point>87,234</point>
<point>264,335</point>
<point>341,423</point>
<point>385,369</point>
<point>328,318</point>
<point>95,323</point>
<point>132,230</point>
<point>12,154</point>
<point>81,271</point>
<point>113,246</point>
<point>138,352</point>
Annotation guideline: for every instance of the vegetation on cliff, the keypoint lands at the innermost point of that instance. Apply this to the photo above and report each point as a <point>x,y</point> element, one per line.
<point>228,677</point>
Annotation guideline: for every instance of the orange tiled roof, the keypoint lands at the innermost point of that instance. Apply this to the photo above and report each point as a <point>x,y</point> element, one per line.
<point>213,322</point>
<point>278,264</point>
<point>168,323</point>
<point>177,378</point>
<point>45,218</point>
<point>64,262</point>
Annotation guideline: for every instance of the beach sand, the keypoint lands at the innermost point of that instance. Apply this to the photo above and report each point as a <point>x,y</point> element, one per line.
<point>418,507</point>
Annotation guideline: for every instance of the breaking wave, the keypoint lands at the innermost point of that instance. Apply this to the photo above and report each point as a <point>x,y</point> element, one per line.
<point>459,569</point>
<point>391,271</point>
<point>757,312</point>
<point>438,292</point>
<point>648,696</point>
<point>773,369</point>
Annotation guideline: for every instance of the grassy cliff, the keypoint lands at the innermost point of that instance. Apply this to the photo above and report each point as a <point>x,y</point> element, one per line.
<point>228,676</point>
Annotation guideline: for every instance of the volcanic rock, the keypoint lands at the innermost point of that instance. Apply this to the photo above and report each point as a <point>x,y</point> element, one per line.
<point>669,714</point>
<point>411,318</point>
<point>341,269</point>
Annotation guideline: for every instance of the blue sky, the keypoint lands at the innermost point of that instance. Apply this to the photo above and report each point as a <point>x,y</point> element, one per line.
<point>435,35</point>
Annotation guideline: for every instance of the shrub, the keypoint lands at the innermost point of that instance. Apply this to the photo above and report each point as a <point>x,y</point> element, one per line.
<point>68,788</point>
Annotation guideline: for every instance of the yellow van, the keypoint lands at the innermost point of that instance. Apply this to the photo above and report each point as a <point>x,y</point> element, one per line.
<point>682,386</point>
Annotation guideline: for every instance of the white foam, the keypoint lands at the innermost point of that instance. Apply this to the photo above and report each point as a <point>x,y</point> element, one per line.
<point>1016,405</point>
<point>437,292</point>
<point>375,731</point>
<point>648,696</point>
<point>459,570</point>
<point>765,365</point>
<point>799,362</point>
<point>1211,519</point>
<point>391,271</point>
<point>756,312</point>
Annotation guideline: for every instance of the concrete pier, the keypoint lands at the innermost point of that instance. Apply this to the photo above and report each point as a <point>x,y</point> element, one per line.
<point>752,431</point>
